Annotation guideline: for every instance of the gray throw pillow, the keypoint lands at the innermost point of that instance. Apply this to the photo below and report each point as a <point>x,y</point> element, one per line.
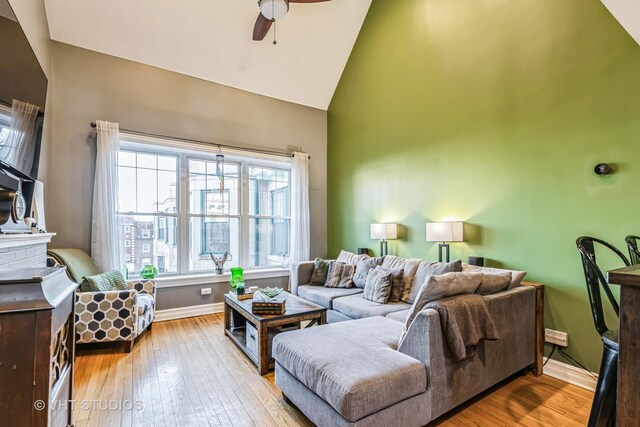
<point>363,267</point>
<point>340,275</point>
<point>516,275</point>
<point>494,283</point>
<point>378,286</point>
<point>320,271</point>
<point>425,270</point>
<point>443,286</point>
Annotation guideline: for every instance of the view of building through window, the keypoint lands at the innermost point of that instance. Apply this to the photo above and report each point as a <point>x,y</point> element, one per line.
<point>151,211</point>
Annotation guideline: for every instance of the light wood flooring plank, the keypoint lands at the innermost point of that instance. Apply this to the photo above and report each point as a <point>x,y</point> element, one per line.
<point>188,373</point>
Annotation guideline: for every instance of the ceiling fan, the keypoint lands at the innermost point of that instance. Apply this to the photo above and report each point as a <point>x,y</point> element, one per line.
<point>271,11</point>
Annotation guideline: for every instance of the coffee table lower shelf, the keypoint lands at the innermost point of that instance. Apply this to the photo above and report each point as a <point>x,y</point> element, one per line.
<point>253,334</point>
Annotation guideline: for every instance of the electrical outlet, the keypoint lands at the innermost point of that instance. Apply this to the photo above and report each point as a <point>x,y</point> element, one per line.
<point>556,337</point>
<point>205,291</point>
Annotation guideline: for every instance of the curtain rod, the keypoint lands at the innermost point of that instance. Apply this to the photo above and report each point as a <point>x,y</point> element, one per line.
<point>209,144</point>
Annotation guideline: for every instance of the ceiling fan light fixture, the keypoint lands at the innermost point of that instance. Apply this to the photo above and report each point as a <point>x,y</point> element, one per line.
<point>274,9</point>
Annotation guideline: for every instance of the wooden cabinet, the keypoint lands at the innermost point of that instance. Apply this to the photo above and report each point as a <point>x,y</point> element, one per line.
<point>36,347</point>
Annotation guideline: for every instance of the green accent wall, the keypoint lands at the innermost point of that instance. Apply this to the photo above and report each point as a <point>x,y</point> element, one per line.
<point>492,112</point>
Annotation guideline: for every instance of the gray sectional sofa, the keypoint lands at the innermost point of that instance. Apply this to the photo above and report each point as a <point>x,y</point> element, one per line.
<point>356,371</point>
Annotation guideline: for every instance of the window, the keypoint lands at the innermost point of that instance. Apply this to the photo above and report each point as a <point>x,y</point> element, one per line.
<point>269,215</point>
<point>182,208</point>
<point>147,198</point>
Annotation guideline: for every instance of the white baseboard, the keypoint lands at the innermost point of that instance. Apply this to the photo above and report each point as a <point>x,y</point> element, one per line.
<point>192,311</point>
<point>570,374</point>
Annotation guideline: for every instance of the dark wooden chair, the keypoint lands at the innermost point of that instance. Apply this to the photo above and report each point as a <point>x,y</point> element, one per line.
<point>603,409</point>
<point>632,245</point>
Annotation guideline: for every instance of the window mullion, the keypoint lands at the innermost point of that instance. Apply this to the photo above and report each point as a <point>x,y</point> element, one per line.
<point>244,215</point>
<point>183,217</point>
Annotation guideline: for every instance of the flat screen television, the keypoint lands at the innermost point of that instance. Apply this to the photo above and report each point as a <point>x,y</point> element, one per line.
<point>23,92</point>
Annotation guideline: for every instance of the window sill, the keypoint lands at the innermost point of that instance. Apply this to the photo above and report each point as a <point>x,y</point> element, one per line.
<point>211,278</point>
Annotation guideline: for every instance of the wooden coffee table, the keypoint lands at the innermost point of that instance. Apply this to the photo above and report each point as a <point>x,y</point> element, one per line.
<point>254,333</point>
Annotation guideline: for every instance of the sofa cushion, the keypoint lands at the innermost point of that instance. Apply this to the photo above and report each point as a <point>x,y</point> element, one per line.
<point>427,269</point>
<point>399,316</point>
<point>350,258</point>
<point>324,296</point>
<point>516,276</point>
<point>494,283</point>
<point>443,286</point>
<point>357,307</point>
<point>378,285</point>
<point>340,275</point>
<point>363,267</point>
<point>353,366</point>
<point>320,271</point>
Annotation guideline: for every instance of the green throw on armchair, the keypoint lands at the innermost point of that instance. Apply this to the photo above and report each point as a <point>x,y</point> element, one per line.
<point>107,316</point>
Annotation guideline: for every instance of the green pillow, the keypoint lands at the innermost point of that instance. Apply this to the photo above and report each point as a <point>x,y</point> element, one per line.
<point>111,281</point>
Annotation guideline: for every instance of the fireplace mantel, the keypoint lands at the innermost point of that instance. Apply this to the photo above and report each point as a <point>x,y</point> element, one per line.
<point>24,250</point>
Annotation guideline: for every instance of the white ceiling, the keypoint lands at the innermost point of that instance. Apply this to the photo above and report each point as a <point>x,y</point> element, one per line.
<point>627,12</point>
<point>211,39</point>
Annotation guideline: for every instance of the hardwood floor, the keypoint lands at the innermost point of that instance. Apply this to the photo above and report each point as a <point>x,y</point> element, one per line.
<point>187,373</point>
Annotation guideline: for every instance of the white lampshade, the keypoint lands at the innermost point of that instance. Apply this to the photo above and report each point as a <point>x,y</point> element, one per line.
<point>274,9</point>
<point>384,231</point>
<point>444,232</point>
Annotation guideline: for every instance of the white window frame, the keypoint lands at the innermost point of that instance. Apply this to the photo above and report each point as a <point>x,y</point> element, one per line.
<point>185,151</point>
<point>142,149</point>
<point>266,217</point>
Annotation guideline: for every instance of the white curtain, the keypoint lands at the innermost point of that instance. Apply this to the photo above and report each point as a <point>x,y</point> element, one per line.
<point>19,146</point>
<point>300,222</point>
<point>106,234</point>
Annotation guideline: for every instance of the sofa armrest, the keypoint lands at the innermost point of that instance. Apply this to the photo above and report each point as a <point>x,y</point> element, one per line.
<point>143,286</point>
<point>300,275</point>
<point>424,340</point>
<point>106,307</point>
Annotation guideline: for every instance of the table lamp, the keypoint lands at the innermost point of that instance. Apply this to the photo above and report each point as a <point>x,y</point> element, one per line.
<point>384,232</point>
<point>444,232</point>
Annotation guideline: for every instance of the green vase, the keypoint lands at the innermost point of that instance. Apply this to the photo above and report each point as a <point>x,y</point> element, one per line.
<point>149,272</point>
<point>236,277</point>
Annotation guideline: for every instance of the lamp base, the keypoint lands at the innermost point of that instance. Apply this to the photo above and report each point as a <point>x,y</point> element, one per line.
<point>444,246</point>
<point>384,247</point>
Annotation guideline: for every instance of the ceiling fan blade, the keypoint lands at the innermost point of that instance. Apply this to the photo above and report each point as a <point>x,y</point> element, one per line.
<point>307,1</point>
<point>262,27</point>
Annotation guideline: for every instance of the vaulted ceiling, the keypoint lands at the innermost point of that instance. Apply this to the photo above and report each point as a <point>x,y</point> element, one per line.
<point>211,40</point>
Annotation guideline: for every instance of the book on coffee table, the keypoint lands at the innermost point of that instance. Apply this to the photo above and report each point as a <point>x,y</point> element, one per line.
<point>262,304</point>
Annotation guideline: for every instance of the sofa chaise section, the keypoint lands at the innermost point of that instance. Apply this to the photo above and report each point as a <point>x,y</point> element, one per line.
<point>322,371</point>
<point>352,366</point>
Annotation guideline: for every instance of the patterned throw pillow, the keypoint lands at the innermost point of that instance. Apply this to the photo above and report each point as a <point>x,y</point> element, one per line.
<point>363,267</point>
<point>320,271</point>
<point>340,275</point>
<point>378,286</point>
<point>111,281</point>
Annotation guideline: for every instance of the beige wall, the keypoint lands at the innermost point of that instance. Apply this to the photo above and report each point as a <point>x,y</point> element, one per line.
<point>87,86</point>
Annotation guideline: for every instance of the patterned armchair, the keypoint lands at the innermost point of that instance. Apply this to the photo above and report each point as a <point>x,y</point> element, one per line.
<point>110,316</point>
